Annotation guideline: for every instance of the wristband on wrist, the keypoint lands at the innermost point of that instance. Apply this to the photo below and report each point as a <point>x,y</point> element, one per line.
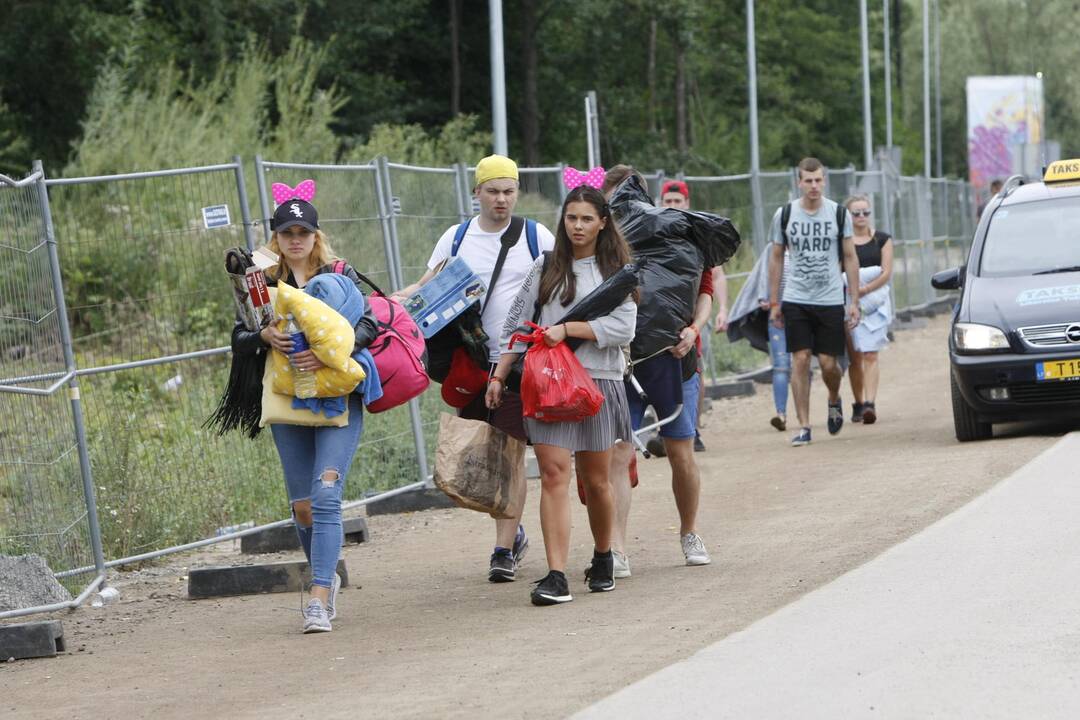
<point>496,378</point>
<point>773,304</point>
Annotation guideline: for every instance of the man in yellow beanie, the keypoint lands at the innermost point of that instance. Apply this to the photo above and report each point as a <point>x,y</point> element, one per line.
<point>480,241</point>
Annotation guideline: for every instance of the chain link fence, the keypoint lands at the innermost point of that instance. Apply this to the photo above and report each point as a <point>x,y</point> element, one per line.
<point>145,333</point>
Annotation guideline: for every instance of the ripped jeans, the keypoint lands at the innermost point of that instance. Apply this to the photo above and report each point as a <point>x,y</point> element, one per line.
<point>307,453</point>
<point>781,362</point>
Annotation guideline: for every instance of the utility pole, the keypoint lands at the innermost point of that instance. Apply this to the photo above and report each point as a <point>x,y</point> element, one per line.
<point>498,78</point>
<point>937,85</point>
<point>888,77</point>
<point>755,158</point>
<point>868,130</point>
<point>926,85</point>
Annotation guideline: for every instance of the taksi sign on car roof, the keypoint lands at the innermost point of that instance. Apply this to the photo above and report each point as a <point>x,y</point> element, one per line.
<point>1063,171</point>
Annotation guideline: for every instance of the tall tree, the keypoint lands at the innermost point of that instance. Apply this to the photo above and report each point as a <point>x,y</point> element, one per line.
<point>455,57</point>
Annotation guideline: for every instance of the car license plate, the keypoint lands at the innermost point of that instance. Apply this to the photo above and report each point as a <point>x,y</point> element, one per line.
<point>1058,370</point>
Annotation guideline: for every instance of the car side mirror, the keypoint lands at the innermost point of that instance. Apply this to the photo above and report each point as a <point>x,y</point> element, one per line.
<point>951,279</point>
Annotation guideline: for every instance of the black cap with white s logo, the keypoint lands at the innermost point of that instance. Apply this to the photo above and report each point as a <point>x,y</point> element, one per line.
<point>295,212</point>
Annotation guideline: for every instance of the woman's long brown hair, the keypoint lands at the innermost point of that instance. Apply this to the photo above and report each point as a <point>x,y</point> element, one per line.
<point>612,251</point>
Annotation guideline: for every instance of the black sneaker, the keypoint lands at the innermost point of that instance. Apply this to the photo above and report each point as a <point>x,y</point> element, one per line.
<point>698,445</point>
<point>836,417</point>
<point>600,577</point>
<point>503,568</point>
<point>551,590</point>
<point>521,546</point>
<point>869,413</point>
<point>856,412</point>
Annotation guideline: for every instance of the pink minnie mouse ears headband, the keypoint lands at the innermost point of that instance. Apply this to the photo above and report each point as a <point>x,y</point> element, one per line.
<point>304,191</point>
<point>572,178</point>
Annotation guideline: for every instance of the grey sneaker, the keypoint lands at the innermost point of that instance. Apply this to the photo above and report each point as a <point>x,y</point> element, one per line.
<point>315,617</point>
<point>621,565</point>
<point>331,604</point>
<point>694,550</point>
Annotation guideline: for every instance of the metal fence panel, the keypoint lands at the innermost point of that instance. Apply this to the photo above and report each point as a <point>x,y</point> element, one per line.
<point>44,509</point>
<point>150,318</point>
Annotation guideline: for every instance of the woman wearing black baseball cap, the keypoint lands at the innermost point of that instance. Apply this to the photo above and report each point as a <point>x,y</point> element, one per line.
<point>315,460</point>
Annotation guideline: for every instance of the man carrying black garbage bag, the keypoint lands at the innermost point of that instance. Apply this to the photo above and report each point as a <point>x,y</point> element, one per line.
<point>677,246</point>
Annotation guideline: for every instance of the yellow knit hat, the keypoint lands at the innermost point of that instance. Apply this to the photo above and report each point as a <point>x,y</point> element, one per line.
<point>495,166</point>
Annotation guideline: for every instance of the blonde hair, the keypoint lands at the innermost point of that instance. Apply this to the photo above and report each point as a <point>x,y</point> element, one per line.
<point>321,254</point>
<point>858,198</point>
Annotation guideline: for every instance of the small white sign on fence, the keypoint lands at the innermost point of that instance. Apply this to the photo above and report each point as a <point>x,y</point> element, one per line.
<point>215,216</point>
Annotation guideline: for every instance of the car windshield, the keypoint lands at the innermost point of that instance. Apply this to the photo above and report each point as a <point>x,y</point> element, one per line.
<point>1035,237</point>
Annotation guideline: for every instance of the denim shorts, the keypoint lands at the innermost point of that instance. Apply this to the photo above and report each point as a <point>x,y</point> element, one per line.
<point>662,383</point>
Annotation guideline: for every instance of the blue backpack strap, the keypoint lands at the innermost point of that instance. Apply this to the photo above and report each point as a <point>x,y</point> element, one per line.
<point>459,236</point>
<point>530,237</point>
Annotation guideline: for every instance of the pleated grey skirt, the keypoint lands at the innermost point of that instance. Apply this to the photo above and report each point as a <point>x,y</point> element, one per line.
<point>594,434</point>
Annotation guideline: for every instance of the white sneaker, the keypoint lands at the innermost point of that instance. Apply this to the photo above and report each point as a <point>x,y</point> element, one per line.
<point>331,603</point>
<point>622,565</point>
<point>694,550</point>
<point>315,617</point>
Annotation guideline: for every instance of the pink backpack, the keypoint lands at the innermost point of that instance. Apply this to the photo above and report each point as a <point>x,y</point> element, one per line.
<point>399,350</point>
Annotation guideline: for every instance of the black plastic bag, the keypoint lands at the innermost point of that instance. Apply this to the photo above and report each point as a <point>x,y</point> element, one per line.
<point>677,246</point>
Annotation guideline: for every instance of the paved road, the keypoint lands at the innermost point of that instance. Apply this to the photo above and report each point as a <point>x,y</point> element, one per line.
<point>424,635</point>
<point>977,616</point>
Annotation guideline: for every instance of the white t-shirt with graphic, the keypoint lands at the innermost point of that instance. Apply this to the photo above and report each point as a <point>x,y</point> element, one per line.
<point>480,250</point>
<point>816,277</point>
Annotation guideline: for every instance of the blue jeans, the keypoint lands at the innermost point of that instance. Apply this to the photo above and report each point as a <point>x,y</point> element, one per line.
<point>306,454</point>
<point>682,427</point>
<point>781,362</point>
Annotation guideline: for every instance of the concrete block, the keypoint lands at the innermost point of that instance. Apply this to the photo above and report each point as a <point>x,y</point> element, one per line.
<point>281,539</point>
<point>423,499</point>
<point>43,638</point>
<point>762,376</point>
<point>254,579</point>
<point>728,390</point>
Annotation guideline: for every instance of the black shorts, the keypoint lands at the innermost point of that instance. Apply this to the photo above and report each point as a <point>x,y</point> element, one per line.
<point>819,328</point>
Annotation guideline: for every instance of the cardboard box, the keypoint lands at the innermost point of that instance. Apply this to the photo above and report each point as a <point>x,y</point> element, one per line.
<point>453,289</point>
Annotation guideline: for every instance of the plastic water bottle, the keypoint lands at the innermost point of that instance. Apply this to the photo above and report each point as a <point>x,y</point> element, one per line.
<point>303,380</point>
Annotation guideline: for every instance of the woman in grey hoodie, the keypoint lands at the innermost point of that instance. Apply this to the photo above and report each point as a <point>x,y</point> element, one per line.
<point>588,250</point>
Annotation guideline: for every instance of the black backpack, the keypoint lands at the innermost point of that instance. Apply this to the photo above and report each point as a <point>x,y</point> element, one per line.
<point>841,216</point>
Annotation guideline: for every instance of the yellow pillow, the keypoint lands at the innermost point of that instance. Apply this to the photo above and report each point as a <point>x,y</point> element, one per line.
<point>277,409</point>
<point>331,338</point>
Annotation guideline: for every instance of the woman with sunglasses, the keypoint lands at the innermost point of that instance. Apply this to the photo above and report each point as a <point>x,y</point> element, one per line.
<point>864,341</point>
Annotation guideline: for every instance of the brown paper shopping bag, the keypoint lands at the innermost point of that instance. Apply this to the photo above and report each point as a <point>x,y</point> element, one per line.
<point>480,467</point>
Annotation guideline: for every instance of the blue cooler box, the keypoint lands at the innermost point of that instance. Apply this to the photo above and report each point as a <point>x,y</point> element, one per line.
<point>445,296</point>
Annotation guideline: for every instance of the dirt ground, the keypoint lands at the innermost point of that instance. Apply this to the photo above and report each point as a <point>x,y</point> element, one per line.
<point>421,633</point>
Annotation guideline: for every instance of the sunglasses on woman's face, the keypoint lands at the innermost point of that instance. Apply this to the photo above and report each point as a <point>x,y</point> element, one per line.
<point>860,213</point>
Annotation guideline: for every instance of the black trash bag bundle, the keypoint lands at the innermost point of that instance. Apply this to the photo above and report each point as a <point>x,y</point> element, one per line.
<point>677,245</point>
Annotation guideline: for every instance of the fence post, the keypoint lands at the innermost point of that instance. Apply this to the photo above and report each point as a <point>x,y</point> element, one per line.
<point>757,211</point>
<point>461,189</point>
<point>245,209</point>
<point>385,194</point>
<point>926,232</point>
<point>89,495</point>
<point>264,204</point>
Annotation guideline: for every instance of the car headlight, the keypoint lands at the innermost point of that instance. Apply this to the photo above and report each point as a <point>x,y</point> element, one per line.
<point>972,337</point>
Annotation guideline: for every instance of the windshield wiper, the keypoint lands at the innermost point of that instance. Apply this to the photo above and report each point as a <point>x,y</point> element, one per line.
<point>1073,268</point>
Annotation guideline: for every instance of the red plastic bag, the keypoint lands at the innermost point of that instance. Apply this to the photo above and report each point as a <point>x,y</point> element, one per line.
<point>554,385</point>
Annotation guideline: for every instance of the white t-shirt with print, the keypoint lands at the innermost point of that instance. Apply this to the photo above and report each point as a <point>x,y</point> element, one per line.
<point>480,250</point>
